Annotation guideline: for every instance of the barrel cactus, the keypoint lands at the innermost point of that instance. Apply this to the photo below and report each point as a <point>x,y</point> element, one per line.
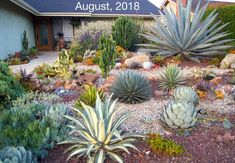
<point>16,155</point>
<point>131,87</point>
<point>179,115</point>
<point>187,94</point>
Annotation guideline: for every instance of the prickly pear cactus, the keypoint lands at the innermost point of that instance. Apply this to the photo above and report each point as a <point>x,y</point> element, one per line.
<point>186,94</point>
<point>16,155</point>
<point>179,114</point>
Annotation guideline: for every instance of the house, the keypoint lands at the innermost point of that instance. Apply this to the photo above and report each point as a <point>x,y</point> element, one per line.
<point>43,20</point>
<point>173,4</point>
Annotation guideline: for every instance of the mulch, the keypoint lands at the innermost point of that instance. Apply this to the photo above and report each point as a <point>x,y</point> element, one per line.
<point>204,144</point>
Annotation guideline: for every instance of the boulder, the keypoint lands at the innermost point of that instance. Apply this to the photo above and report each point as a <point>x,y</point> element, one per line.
<point>228,60</point>
<point>88,78</point>
<point>136,61</point>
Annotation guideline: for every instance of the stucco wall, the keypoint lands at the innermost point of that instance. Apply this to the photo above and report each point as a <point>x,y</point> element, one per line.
<point>13,22</point>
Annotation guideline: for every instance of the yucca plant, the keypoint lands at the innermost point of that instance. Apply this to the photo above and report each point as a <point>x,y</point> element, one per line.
<point>188,35</point>
<point>171,77</point>
<point>97,135</point>
<point>89,96</point>
<point>131,87</point>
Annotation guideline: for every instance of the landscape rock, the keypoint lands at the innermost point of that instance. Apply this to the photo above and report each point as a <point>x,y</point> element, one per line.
<point>228,61</point>
<point>58,83</point>
<point>136,61</point>
<point>88,78</point>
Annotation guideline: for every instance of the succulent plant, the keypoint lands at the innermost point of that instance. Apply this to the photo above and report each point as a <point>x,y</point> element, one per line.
<point>190,36</point>
<point>171,77</point>
<point>16,155</point>
<point>25,79</point>
<point>99,135</point>
<point>187,94</point>
<point>131,87</point>
<point>179,114</point>
<point>88,97</point>
<point>204,86</point>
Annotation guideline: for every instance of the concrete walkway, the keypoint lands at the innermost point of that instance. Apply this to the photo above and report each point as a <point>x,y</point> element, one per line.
<point>43,57</point>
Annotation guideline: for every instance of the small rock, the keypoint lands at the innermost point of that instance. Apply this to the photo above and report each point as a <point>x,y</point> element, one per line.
<point>58,83</point>
<point>88,78</point>
<point>227,124</point>
<point>228,60</point>
<point>216,81</point>
<point>186,133</point>
<point>136,61</point>
<point>147,153</point>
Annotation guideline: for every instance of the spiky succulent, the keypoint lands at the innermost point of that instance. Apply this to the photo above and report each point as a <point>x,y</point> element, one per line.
<point>185,34</point>
<point>171,77</point>
<point>186,93</point>
<point>16,155</point>
<point>97,135</point>
<point>88,97</point>
<point>179,115</point>
<point>131,87</point>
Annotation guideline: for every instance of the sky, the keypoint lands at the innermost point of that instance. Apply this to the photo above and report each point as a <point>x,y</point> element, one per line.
<point>157,2</point>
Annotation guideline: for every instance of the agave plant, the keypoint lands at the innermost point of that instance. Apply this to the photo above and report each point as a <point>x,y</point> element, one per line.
<point>96,135</point>
<point>190,36</point>
<point>131,87</point>
<point>89,96</point>
<point>171,77</point>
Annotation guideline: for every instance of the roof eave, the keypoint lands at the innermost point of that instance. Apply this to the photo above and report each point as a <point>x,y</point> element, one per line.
<point>25,6</point>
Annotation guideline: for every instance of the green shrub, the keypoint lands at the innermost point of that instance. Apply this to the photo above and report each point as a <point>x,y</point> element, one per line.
<point>161,145</point>
<point>108,55</point>
<point>226,14</point>
<point>131,87</point>
<point>37,127</point>
<point>125,32</point>
<point>10,89</point>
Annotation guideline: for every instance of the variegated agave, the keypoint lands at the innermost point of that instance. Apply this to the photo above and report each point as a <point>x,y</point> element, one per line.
<point>96,134</point>
<point>190,36</point>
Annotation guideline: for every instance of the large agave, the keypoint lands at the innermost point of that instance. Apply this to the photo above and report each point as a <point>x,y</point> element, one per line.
<point>171,77</point>
<point>96,135</point>
<point>179,115</point>
<point>131,87</point>
<point>16,155</point>
<point>187,94</point>
<point>190,36</point>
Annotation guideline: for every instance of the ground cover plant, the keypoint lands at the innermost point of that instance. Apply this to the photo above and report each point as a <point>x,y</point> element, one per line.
<point>192,39</point>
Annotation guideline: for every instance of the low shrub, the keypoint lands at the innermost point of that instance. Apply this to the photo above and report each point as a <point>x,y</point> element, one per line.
<point>161,145</point>
<point>37,127</point>
<point>10,88</point>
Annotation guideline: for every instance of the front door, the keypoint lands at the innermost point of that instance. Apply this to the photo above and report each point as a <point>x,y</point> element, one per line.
<point>43,28</point>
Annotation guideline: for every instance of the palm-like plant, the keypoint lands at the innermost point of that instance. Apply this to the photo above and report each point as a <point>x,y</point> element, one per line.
<point>190,36</point>
<point>96,134</point>
<point>171,77</point>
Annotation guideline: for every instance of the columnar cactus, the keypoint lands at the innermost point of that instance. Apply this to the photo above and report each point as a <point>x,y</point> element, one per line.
<point>108,54</point>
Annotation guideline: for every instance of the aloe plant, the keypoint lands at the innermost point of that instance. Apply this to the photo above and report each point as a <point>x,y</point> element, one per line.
<point>190,36</point>
<point>97,135</point>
